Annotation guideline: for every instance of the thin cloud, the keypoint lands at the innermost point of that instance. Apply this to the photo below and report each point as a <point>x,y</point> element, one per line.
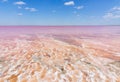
<point>31,9</point>
<point>114,13</point>
<point>20,14</point>
<point>20,3</point>
<point>4,0</point>
<point>75,12</point>
<point>79,7</point>
<point>19,7</point>
<point>116,8</point>
<point>111,16</point>
<point>27,8</point>
<point>78,15</point>
<point>70,3</point>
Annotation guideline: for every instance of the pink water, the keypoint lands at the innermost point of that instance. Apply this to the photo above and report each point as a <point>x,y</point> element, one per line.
<point>59,29</point>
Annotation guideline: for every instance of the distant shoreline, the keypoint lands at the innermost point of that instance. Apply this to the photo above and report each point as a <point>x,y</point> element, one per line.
<point>57,25</point>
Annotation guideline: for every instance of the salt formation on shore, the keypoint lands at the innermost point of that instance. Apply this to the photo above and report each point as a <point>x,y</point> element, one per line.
<point>52,59</point>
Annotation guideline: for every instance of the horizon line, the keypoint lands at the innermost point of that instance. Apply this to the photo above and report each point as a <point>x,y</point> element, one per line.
<point>57,25</point>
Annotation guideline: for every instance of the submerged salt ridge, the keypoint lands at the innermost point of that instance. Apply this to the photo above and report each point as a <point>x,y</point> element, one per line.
<point>60,58</point>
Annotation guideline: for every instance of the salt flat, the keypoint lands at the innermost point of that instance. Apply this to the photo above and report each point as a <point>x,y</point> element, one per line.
<point>60,56</point>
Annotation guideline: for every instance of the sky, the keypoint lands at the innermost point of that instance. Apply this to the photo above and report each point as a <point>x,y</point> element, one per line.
<point>59,12</point>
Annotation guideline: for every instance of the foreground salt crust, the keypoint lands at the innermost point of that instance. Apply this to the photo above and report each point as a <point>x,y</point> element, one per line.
<point>47,59</point>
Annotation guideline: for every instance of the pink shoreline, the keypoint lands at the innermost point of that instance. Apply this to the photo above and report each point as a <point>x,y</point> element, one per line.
<point>59,29</point>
